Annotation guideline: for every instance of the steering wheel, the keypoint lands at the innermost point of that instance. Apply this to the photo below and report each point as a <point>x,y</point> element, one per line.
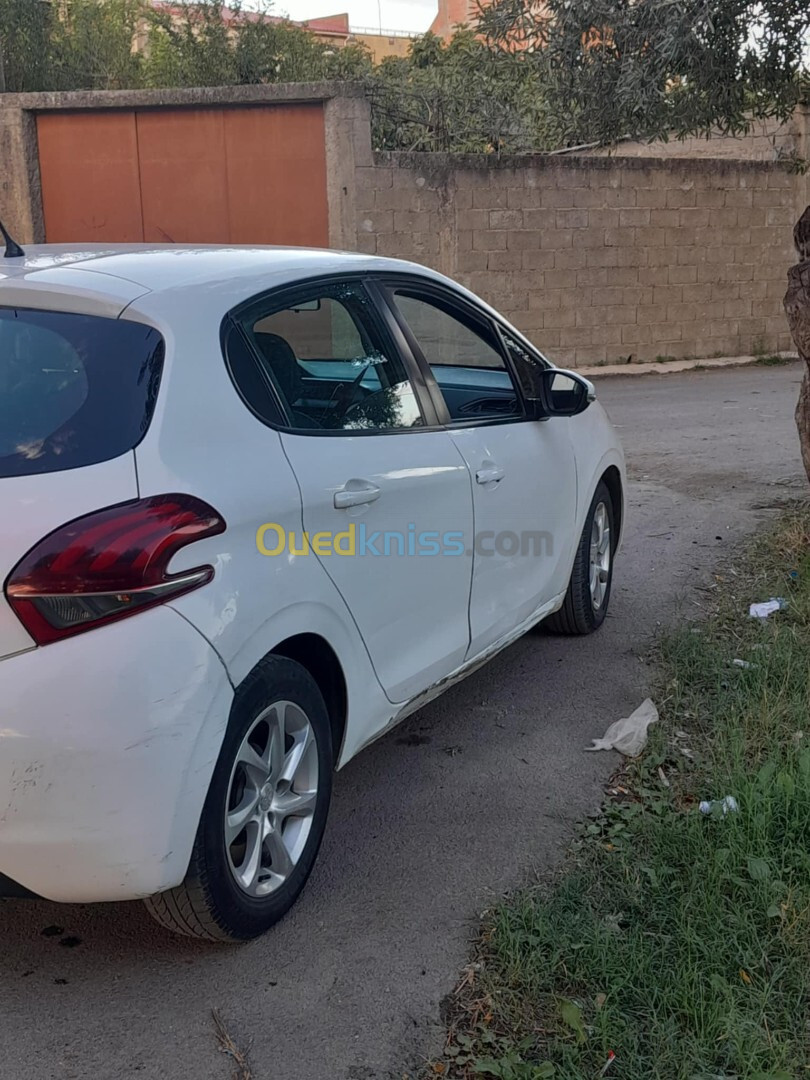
<point>350,395</point>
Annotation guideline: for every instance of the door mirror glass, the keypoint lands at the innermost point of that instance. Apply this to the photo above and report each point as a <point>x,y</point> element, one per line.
<point>564,393</point>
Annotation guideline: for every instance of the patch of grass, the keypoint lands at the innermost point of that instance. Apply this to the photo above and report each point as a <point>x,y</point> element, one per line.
<point>774,359</point>
<point>677,941</point>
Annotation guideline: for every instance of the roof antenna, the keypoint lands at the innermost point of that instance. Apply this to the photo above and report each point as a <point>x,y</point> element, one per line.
<point>13,249</point>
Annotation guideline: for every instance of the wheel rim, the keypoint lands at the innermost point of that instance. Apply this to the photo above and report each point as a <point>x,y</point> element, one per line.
<point>271,800</point>
<point>600,556</point>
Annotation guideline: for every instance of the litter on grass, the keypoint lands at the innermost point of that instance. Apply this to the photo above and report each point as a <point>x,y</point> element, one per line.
<point>742,663</point>
<point>628,735</point>
<point>767,607</point>
<point>729,805</point>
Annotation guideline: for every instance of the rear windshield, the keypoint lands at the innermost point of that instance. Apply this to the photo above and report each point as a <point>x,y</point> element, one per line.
<point>74,389</point>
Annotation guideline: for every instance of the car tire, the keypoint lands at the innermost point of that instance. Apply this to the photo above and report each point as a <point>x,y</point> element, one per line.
<point>586,601</point>
<point>274,771</point>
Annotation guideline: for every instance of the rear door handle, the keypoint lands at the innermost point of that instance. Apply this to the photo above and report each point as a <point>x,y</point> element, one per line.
<point>489,474</point>
<point>356,493</point>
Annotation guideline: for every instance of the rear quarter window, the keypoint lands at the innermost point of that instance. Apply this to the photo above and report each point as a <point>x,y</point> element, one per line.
<point>75,389</point>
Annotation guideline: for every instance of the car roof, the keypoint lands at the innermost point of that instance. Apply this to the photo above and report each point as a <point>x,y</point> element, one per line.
<point>166,267</point>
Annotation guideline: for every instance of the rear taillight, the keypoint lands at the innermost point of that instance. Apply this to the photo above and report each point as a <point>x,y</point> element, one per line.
<point>109,565</point>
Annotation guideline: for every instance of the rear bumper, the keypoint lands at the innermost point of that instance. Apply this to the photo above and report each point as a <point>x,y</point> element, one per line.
<point>107,745</point>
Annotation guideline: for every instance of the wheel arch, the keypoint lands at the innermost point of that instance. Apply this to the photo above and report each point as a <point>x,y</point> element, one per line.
<point>314,653</point>
<point>612,480</point>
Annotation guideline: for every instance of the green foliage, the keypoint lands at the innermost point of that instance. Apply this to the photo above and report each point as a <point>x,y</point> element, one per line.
<point>91,45</point>
<point>529,78</point>
<point>656,68</point>
<point>25,34</point>
<point>678,941</point>
<point>115,44</point>
<point>461,96</point>
<point>203,48</point>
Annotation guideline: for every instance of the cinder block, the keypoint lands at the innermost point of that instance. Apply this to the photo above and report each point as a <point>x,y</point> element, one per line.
<point>651,237</point>
<point>748,218</point>
<point>366,242</point>
<point>539,219</point>
<point>693,217</point>
<point>559,318</point>
<point>666,338</point>
<point>624,276</point>
<point>522,198</point>
<point>736,309</point>
<point>467,261</point>
<point>590,354</point>
<point>376,221</point>
<point>754,290</point>
<point>595,276</point>
<point>554,239</point>
<point>635,334</point>
<point>752,327</point>
<point>523,240</point>
<point>653,198</point>
<point>571,259</point>
<point>621,314</point>
<point>572,219</point>
<point>768,236</point>
<point>739,197</point>
<point>489,240</point>
<point>710,199</point>
<point>580,335</point>
<point>505,219</point>
<point>682,275</point>
<point>767,309</point>
<point>546,299</point>
<point>561,279</point>
<point>594,237</point>
<point>680,237</point>
<point>651,314</point>
<point>504,260</point>
<point>538,260</point>
<point>546,339</point>
<point>554,198</point>
<point>408,220</point>
<point>489,198</point>
<point>472,219</point>
<point>604,257</point>
<point>725,290</point>
<point>635,256</point>
<point>608,335</point>
<point>637,295</point>
<point>768,197</point>
<point>678,198</point>
<point>608,295</point>
<point>635,217</point>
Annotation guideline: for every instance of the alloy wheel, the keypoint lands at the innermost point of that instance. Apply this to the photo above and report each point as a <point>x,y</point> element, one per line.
<point>599,556</point>
<point>272,796</point>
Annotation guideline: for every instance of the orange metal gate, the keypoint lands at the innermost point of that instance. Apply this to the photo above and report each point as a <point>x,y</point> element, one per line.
<point>249,175</point>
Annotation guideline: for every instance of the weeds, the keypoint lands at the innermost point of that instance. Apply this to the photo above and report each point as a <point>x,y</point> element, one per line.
<point>675,945</point>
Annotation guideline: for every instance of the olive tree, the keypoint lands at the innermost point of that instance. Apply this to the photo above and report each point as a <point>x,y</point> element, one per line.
<point>669,68</point>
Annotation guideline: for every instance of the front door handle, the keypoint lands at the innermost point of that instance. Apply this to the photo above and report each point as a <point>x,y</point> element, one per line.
<point>356,493</point>
<point>489,474</point>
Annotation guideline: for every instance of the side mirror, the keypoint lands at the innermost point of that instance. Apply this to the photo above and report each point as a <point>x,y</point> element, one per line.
<point>563,393</point>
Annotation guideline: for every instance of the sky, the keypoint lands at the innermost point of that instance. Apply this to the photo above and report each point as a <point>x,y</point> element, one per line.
<point>414,15</point>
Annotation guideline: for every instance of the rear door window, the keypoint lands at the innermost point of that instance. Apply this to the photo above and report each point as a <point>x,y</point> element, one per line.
<point>75,389</point>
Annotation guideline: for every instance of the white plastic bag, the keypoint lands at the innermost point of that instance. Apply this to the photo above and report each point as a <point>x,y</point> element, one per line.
<point>628,735</point>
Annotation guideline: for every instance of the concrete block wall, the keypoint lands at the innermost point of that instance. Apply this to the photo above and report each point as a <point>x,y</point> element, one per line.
<point>596,259</point>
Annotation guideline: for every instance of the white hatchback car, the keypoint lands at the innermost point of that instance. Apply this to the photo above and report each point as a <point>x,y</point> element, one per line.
<point>259,505</point>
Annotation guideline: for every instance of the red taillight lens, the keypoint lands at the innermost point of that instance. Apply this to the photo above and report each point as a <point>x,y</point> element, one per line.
<point>109,565</point>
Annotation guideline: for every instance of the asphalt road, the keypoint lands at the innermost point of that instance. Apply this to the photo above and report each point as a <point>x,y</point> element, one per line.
<point>430,824</point>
